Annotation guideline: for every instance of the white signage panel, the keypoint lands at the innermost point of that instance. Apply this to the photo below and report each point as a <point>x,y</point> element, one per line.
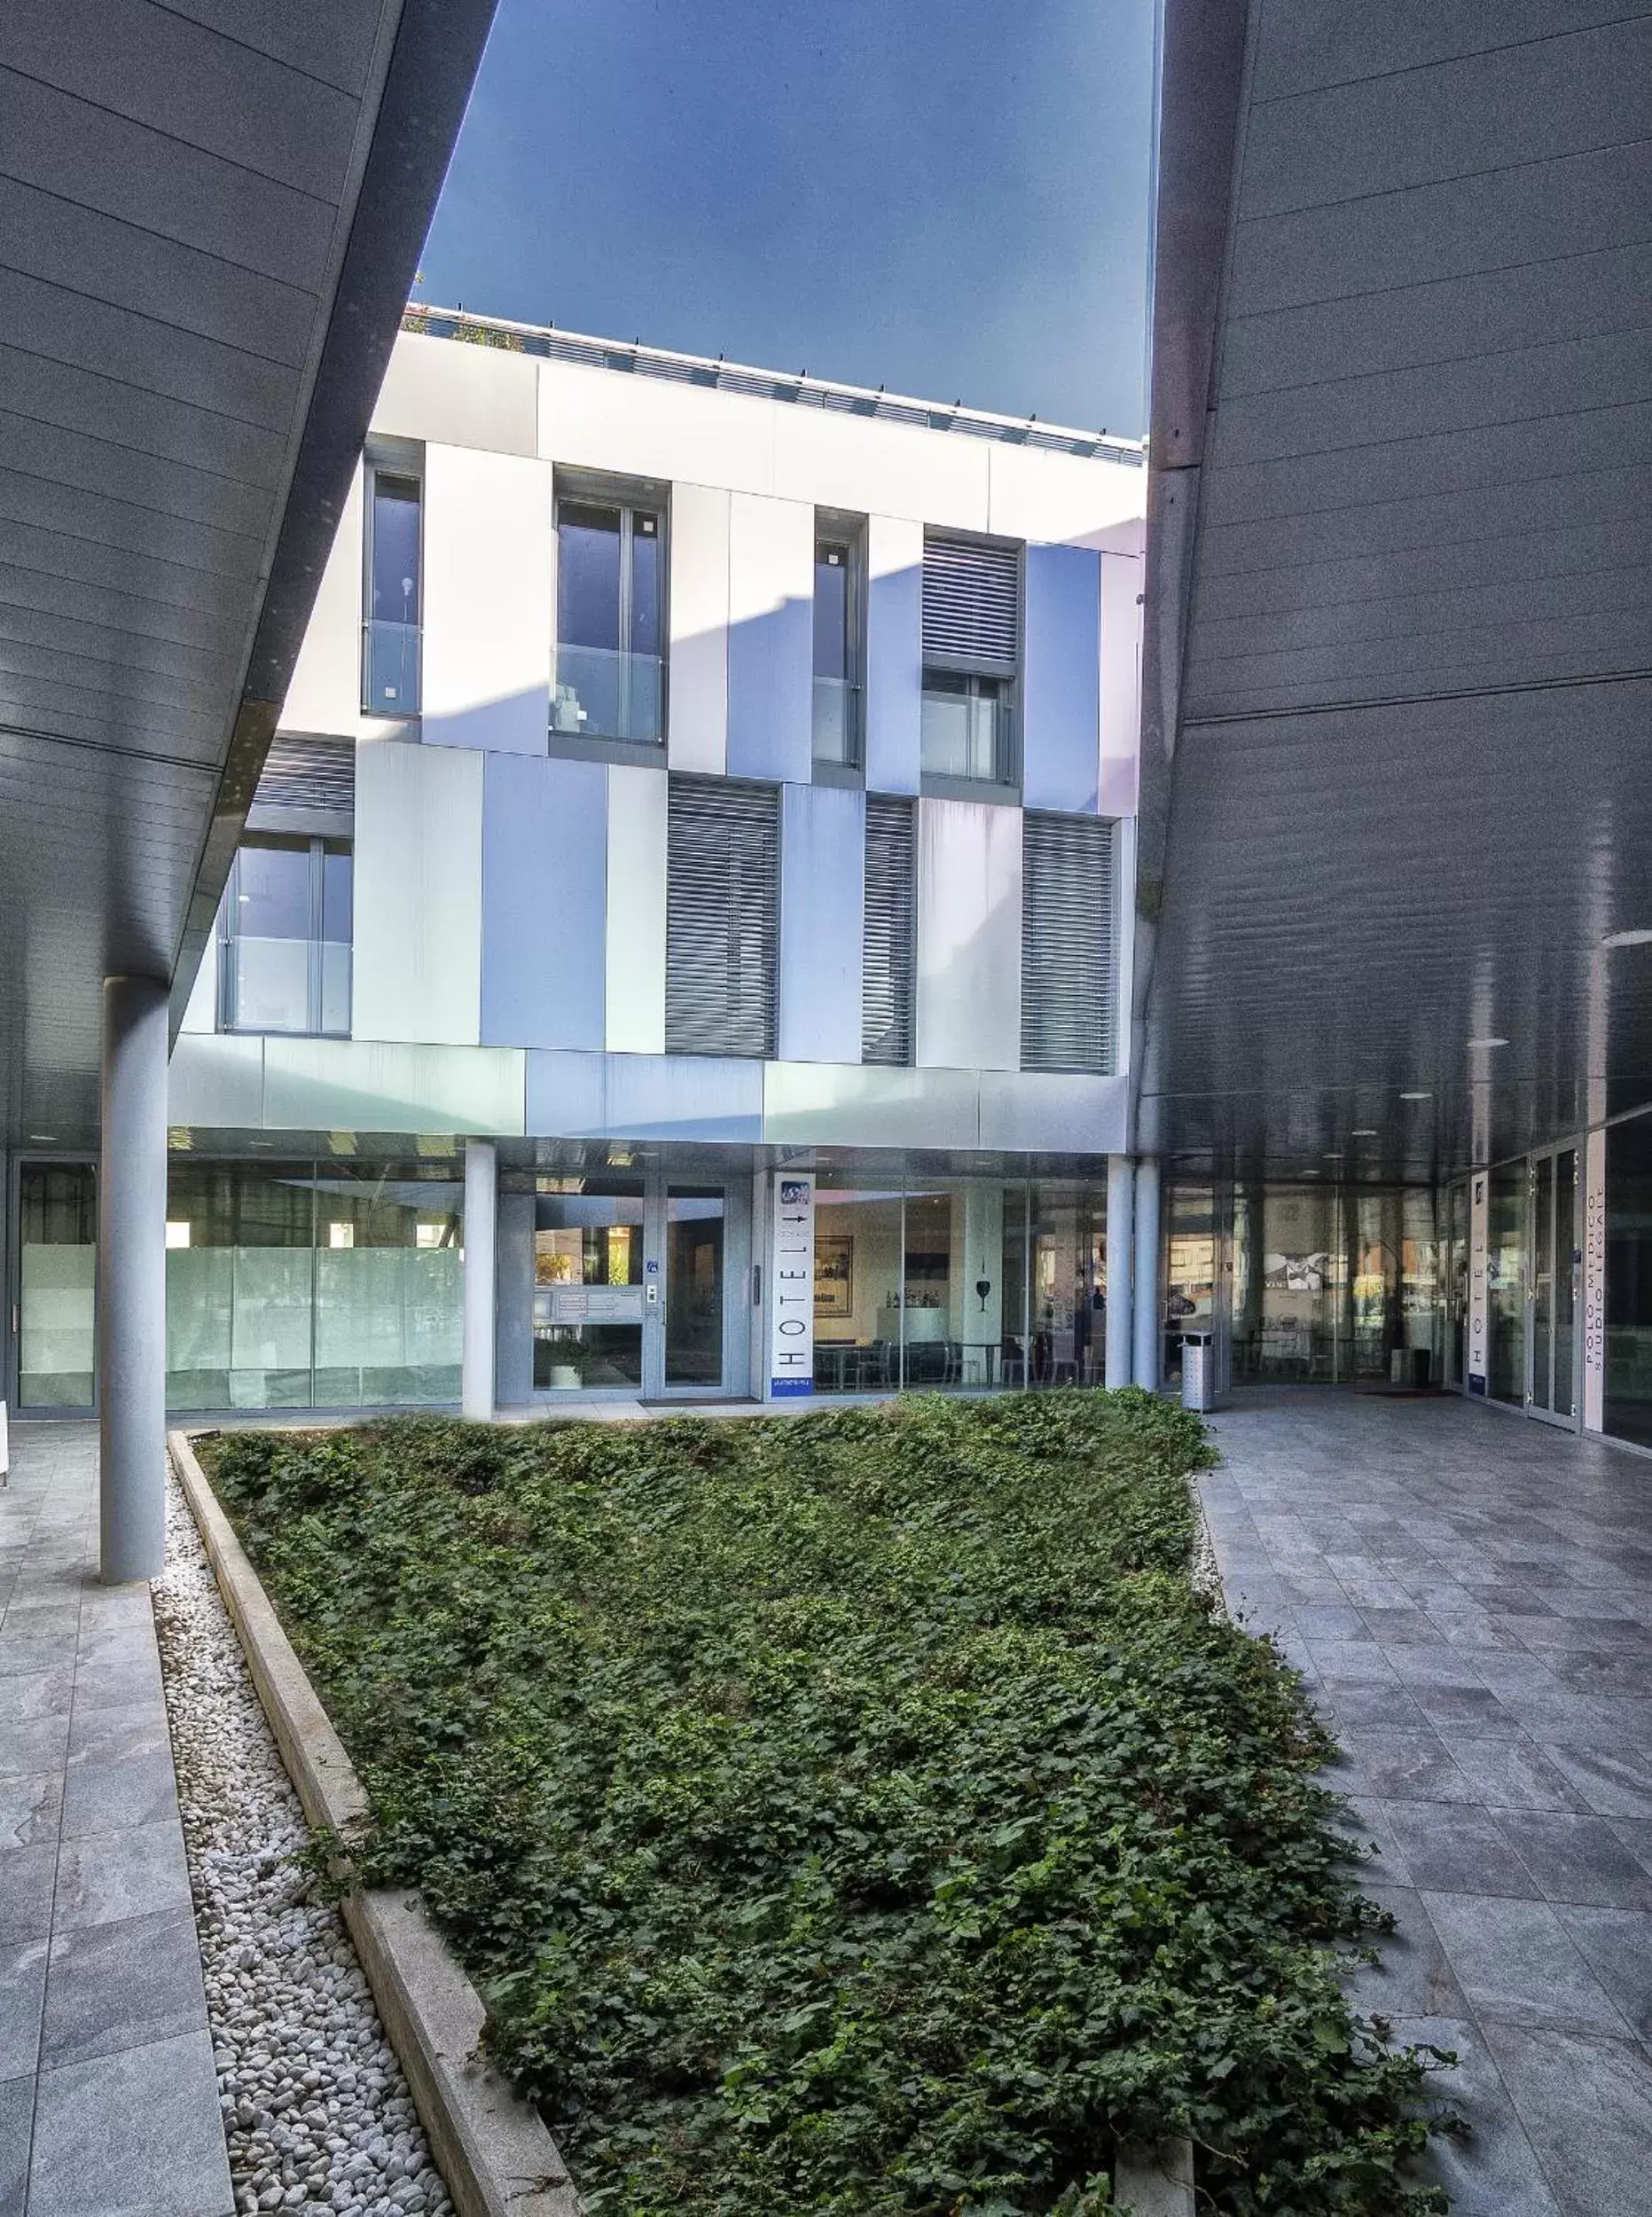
<point>792,1286</point>
<point>1477,1293</point>
<point>596,1305</point>
<point>1594,1283</point>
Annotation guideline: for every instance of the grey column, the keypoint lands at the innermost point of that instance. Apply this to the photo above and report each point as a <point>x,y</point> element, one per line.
<point>132,1287</point>
<point>1121,1209</point>
<point>481,1190</point>
<point>1149,1309</point>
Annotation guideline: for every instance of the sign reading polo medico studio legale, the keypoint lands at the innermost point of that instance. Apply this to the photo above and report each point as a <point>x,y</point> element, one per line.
<point>792,1286</point>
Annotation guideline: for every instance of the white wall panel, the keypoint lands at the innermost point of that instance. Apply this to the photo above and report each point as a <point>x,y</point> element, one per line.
<point>968,936</point>
<point>459,394</point>
<point>836,460</point>
<point>418,964</point>
<point>894,654</point>
<point>697,706</point>
<point>636,910</point>
<point>489,524</point>
<point>1065,499</point>
<point>1120,683</point>
<point>592,420</point>
<point>201,1013</point>
<point>325,694</point>
<point>771,638</point>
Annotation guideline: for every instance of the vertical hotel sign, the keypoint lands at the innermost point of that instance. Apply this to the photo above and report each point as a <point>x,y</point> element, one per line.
<point>1478,1289</point>
<point>792,1286</point>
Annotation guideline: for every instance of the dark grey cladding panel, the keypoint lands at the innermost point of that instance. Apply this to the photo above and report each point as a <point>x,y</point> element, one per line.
<point>317,37</point>
<point>1464,319</point>
<point>52,454</point>
<point>125,170</point>
<point>97,635</point>
<point>120,261</point>
<point>1228,595</point>
<point>93,403</point>
<point>95,582</point>
<point>1548,98</point>
<point>1497,220</point>
<point>1301,49</point>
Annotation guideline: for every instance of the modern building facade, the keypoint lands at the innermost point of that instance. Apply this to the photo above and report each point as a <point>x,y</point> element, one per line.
<point>677,943</point>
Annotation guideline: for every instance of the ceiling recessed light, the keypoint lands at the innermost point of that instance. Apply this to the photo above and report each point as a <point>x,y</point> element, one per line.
<point>1416,1096</point>
<point>47,1137</point>
<point>1365,1130</point>
<point>1488,1043</point>
<point>1310,1173</point>
<point>1634,938</point>
<point>1332,1155</point>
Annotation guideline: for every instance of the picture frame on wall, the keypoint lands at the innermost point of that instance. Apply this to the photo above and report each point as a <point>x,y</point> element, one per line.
<point>835,1274</point>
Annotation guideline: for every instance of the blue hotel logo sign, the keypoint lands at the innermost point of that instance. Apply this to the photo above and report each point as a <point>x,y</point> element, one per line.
<point>792,1288</point>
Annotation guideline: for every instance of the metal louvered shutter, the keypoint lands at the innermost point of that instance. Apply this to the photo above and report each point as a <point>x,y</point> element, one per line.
<point>303,772</point>
<point>886,991</point>
<point>1066,987</point>
<point>722,913</point>
<point>971,606</point>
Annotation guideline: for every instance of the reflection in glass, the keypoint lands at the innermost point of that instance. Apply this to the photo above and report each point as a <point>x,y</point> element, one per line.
<point>1566,1261</point>
<point>1069,1344</point>
<point>390,656</point>
<point>588,1284</point>
<point>693,1285</point>
<point>837,652</point>
<point>1628,1408</point>
<point>965,727</point>
<point>610,639</point>
<point>1506,1282</point>
<point>836,722</point>
<point>924,1324</point>
<point>858,1270</point>
<point>57,1286</point>
<point>286,931</point>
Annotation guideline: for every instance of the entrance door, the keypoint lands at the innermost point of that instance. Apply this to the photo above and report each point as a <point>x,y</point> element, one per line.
<point>1454,1285</point>
<point>694,1335</point>
<point>1555,1247</point>
<point>57,1286</point>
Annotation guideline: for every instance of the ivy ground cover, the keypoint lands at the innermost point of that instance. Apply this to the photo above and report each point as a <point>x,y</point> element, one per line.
<point>851,1815</point>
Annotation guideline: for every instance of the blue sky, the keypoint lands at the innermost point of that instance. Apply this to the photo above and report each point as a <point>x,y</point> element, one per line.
<point>946,197</point>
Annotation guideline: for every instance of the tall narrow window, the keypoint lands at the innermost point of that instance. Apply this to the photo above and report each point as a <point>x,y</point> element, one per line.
<point>390,631</point>
<point>722,917</point>
<point>840,599</point>
<point>971,652</point>
<point>285,939</point>
<point>610,628</point>
<point>1067,985</point>
<point>886,1008</point>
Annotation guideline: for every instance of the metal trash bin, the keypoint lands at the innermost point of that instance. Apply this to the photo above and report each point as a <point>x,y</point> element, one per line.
<point>1198,1371</point>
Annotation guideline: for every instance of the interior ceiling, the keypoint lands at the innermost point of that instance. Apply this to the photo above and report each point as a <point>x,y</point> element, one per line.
<point>208,219</point>
<point>1399,655</point>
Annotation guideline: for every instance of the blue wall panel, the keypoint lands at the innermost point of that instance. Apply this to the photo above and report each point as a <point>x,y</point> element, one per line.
<point>644,1097</point>
<point>823,880</point>
<point>771,692</point>
<point>894,655</point>
<point>543,902</point>
<point>1062,678</point>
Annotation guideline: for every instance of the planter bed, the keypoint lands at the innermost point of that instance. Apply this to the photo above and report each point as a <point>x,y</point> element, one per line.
<point>853,1815</point>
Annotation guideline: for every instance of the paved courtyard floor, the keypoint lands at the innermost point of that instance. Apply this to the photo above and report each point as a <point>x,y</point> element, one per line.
<point>108,2100</point>
<point>1469,1595</point>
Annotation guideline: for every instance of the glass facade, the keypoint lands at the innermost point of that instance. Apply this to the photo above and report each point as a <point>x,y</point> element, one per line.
<point>313,1285</point>
<point>958,1284</point>
<point>1628,1396</point>
<point>837,659</point>
<point>286,934</point>
<point>588,1285</point>
<point>57,1285</point>
<point>390,640</point>
<point>965,727</point>
<point>610,632</point>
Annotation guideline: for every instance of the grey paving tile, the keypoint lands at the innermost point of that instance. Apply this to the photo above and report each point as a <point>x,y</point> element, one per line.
<point>157,2112</point>
<point>1412,1977</point>
<point>29,1745</point>
<point>17,2123</point>
<point>36,1693</point>
<point>1458,1848</point>
<point>122,1984</point>
<point>27,1875</point>
<point>128,1873</point>
<point>1401,1627</point>
<point>1358,1702</point>
<point>1586,2103</point>
<point>1408,1765</point>
<point>1577,1859</point>
<point>1510,1774</point>
<point>1378,1858</point>
<point>21,1656</point>
<point>110,1793</point>
<point>130,1727</point>
<point>30,1808</point>
<point>1353,1659</point>
<point>1615,1781</point>
<point>1617,1944</point>
<point>1492,2171</point>
<point>1458,1710</point>
<point>1517,1964</point>
<point>22,1990</point>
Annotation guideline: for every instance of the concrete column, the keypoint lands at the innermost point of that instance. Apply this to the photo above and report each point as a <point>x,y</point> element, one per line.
<point>132,1289</point>
<point>1121,1210</point>
<point>482,1199</point>
<point>1148,1306</point>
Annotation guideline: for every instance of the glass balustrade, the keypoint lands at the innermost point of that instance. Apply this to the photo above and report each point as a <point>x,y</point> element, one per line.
<point>837,722</point>
<point>390,668</point>
<point>600,693</point>
<point>276,986</point>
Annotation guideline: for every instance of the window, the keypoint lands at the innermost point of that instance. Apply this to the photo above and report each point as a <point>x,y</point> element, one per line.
<point>1067,992</point>
<point>886,1008</point>
<point>391,618</point>
<point>610,622</point>
<point>971,650</point>
<point>839,620</point>
<point>285,942</point>
<point>721,911</point>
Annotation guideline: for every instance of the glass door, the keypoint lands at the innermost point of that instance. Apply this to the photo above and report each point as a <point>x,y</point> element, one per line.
<point>695,1335</point>
<point>1552,1287</point>
<point>57,1282</point>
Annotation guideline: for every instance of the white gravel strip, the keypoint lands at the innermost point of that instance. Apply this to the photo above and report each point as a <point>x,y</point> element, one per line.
<point>316,2111</point>
<point>1202,1573</point>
